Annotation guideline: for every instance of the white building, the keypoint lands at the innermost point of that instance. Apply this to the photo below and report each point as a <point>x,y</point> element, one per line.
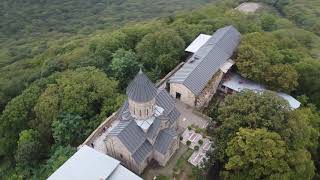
<point>233,83</point>
<point>87,164</point>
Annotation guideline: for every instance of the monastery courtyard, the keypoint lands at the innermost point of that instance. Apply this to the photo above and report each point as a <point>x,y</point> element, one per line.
<point>189,117</point>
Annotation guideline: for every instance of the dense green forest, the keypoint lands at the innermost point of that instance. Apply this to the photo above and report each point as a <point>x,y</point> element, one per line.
<point>64,69</point>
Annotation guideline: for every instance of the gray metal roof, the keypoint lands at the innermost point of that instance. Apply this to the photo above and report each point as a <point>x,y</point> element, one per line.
<point>227,38</point>
<point>130,134</point>
<point>238,83</point>
<point>143,152</point>
<point>141,89</point>
<point>173,115</point>
<point>133,137</point>
<point>164,139</point>
<point>164,100</point>
<point>154,128</point>
<point>197,72</point>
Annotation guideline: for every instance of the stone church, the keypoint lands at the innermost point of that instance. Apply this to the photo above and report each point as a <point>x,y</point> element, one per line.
<point>211,57</point>
<point>146,126</point>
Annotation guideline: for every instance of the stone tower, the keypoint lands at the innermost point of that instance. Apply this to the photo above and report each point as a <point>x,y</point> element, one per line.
<point>141,97</point>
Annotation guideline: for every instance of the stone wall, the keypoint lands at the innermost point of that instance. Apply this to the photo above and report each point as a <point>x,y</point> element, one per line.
<point>187,96</point>
<point>141,110</point>
<point>163,82</point>
<point>207,93</point>
<point>162,159</point>
<point>118,151</point>
<point>97,132</point>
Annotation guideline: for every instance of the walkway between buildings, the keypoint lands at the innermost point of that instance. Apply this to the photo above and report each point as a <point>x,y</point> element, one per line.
<point>188,117</point>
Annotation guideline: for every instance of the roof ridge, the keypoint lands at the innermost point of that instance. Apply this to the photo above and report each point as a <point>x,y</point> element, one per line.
<point>140,145</point>
<point>119,130</point>
<point>227,28</point>
<point>198,66</point>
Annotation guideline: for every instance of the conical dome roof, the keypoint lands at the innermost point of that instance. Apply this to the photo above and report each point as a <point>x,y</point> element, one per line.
<point>141,89</point>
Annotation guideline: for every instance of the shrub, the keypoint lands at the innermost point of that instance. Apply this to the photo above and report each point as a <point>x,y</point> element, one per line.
<point>196,148</point>
<point>200,142</point>
<point>181,138</point>
<point>198,130</point>
<point>189,128</point>
<point>188,143</point>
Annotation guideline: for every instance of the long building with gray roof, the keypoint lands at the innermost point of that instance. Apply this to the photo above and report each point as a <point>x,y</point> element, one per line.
<point>146,126</point>
<point>204,66</point>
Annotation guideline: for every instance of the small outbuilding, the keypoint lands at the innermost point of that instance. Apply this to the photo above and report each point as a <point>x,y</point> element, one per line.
<point>234,83</point>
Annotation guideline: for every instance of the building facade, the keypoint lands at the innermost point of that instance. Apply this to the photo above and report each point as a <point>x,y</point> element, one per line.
<point>146,126</point>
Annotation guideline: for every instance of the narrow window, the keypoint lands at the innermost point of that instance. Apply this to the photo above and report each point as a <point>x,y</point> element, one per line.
<point>147,112</point>
<point>134,111</point>
<point>140,113</point>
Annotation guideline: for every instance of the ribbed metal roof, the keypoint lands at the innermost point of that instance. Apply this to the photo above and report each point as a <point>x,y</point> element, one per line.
<point>141,89</point>
<point>197,72</point>
<point>164,139</point>
<point>130,134</point>
<point>164,100</point>
<point>154,128</point>
<point>143,152</point>
<point>135,139</point>
<point>173,115</point>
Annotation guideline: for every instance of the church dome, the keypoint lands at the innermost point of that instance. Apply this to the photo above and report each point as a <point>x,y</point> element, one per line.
<point>141,89</point>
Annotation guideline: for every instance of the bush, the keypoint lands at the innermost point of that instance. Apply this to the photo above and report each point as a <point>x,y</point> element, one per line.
<point>200,142</point>
<point>161,177</point>
<point>198,130</point>
<point>181,138</point>
<point>189,128</point>
<point>188,143</point>
<point>196,148</point>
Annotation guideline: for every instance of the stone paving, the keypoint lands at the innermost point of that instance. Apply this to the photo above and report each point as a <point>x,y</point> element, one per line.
<point>98,143</point>
<point>188,117</point>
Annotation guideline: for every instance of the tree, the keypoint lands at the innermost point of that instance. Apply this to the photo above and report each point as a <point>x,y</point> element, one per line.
<point>84,91</point>
<point>268,22</point>
<point>281,77</point>
<point>266,110</point>
<point>15,118</point>
<point>124,66</point>
<point>57,156</point>
<point>251,62</point>
<point>257,154</point>
<point>163,48</point>
<point>267,58</point>
<point>309,83</point>
<point>29,152</point>
<point>69,129</point>
<point>248,109</point>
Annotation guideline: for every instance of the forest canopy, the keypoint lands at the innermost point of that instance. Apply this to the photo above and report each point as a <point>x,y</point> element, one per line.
<point>73,74</point>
